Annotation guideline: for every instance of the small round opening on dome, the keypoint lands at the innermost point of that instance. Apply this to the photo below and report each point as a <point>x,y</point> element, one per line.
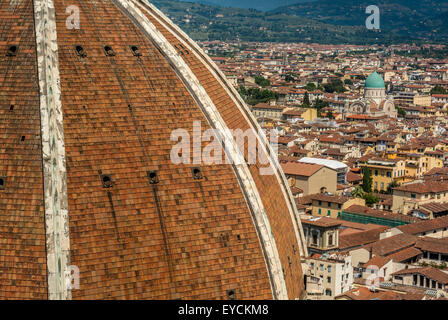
<point>197,173</point>
<point>12,50</point>
<point>152,176</point>
<point>136,51</point>
<point>80,51</point>
<point>106,180</point>
<point>231,294</point>
<point>109,51</point>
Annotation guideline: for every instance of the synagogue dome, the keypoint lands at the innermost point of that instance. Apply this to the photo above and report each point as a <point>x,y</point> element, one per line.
<point>374,81</point>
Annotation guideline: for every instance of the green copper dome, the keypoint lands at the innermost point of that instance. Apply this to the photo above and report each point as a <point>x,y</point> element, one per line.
<point>374,81</point>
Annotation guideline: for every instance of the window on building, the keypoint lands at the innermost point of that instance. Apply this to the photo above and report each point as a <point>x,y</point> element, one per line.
<point>389,174</point>
<point>412,195</point>
<point>433,256</point>
<point>328,212</point>
<point>330,240</point>
<point>329,279</point>
<point>329,268</point>
<point>328,292</point>
<point>314,242</point>
<point>339,206</point>
<point>329,204</point>
<point>376,172</point>
<point>320,211</point>
<point>321,267</point>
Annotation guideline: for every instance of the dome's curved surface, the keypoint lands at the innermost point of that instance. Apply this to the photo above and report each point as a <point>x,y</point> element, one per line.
<point>374,81</point>
<point>100,102</point>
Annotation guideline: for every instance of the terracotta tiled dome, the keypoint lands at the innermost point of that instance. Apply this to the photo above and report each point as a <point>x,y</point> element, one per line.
<point>86,181</point>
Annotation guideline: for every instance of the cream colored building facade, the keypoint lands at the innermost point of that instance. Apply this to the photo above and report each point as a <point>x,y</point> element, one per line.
<point>409,197</point>
<point>332,208</point>
<point>335,272</point>
<point>324,180</point>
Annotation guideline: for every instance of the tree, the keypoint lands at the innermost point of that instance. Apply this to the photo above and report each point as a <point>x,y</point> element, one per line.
<point>310,86</point>
<point>438,90</point>
<point>358,192</point>
<point>290,77</point>
<point>330,115</point>
<point>254,96</point>
<point>391,186</point>
<point>262,81</point>
<point>335,85</point>
<point>306,100</point>
<point>366,180</point>
<point>319,104</point>
<point>401,112</point>
<point>348,82</point>
<point>370,199</point>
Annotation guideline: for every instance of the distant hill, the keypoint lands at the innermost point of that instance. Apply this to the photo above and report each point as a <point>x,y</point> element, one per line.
<point>421,19</point>
<point>263,5</point>
<point>296,24</point>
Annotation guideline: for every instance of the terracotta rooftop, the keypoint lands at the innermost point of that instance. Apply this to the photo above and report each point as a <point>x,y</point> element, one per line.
<point>360,238</point>
<point>429,244</point>
<point>429,272</point>
<point>321,222</point>
<point>390,245</point>
<point>405,254</point>
<point>364,293</point>
<point>300,169</point>
<point>353,177</point>
<point>377,261</point>
<point>433,187</point>
<point>425,226</point>
<point>329,198</point>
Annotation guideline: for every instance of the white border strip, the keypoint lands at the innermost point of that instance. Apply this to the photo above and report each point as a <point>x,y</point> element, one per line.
<point>53,152</point>
<point>278,284</point>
